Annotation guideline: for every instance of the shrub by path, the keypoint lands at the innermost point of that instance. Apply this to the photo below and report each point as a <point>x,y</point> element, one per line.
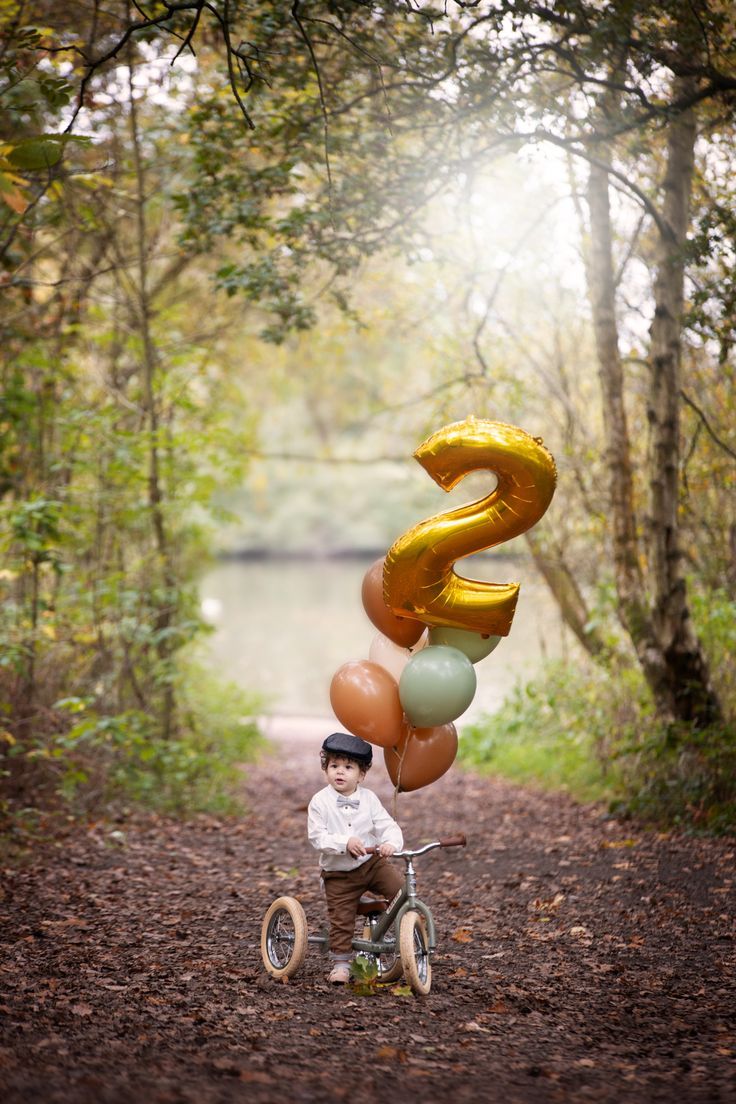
<point>580,959</point>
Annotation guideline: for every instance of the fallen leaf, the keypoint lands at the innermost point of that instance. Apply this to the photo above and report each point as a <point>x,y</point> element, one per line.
<point>390,1053</point>
<point>226,1065</point>
<point>70,922</point>
<point>548,904</point>
<point>462,935</point>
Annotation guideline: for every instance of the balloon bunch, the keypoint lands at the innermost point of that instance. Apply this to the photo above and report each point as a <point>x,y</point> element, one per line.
<point>433,624</point>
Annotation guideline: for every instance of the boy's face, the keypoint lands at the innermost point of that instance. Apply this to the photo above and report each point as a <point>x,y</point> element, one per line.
<point>343,774</point>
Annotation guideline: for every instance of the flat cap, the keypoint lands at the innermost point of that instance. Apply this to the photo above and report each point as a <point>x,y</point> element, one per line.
<point>342,743</point>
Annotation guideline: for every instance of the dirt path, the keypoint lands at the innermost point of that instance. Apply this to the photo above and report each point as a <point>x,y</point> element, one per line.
<point>579,959</point>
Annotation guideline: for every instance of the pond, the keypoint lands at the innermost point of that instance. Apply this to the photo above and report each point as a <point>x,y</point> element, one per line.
<point>284,627</point>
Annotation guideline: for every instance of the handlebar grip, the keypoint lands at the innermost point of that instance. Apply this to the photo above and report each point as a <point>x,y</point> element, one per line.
<point>454,841</point>
<point>371,850</point>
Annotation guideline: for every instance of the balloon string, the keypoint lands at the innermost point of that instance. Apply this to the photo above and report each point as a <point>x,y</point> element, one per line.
<point>394,805</point>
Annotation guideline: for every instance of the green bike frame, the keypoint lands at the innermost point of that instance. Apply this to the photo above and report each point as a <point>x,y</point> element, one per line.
<point>406,900</point>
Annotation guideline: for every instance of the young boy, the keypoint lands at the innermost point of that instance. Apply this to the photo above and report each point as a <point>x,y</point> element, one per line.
<point>343,820</point>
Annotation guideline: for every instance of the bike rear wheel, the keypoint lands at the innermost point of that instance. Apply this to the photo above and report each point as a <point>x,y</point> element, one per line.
<point>414,951</point>
<point>284,937</point>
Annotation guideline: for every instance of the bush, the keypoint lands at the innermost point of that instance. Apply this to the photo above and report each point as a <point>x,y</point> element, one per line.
<point>97,762</point>
<point>680,776</point>
<point>555,732</point>
<point>594,733</point>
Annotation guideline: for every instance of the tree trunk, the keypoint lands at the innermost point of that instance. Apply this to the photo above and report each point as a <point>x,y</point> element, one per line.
<point>653,609</point>
<point>687,689</point>
<point>566,592</point>
<point>630,585</point>
<point>149,364</point>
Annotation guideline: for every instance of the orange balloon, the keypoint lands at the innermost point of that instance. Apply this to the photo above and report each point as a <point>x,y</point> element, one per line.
<point>421,756</point>
<point>401,630</point>
<point>365,699</point>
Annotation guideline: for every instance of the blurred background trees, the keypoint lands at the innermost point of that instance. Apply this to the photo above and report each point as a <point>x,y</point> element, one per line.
<point>246,243</point>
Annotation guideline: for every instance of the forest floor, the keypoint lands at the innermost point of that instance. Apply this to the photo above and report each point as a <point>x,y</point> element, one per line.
<point>580,958</point>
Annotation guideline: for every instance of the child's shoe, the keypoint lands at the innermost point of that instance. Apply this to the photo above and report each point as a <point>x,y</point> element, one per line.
<point>340,973</point>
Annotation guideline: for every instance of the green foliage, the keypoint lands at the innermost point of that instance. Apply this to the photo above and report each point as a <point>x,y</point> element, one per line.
<point>125,756</point>
<point>676,775</point>
<point>120,419</point>
<point>364,972</point>
<point>32,94</point>
<point>112,761</point>
<point>593,731</point>
<point>555,732</point>
<point>714,614</point>
<point>366,979</point>
<point>120,415</point>
<point>679,774</point>
<point>34,527</point>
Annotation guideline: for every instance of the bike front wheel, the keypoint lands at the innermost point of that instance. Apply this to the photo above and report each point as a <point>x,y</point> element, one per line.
<point>389,963</point>
<point>284,937</point>
<point>414,952</point>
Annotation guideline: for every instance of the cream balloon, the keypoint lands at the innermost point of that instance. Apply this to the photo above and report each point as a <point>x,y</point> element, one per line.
<point>392,657</point>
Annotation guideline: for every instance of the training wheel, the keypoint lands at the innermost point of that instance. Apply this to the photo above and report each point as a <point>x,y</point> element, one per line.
<point>284,937</point>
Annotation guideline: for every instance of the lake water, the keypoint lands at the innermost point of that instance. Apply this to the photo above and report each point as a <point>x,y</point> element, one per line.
<point>285,627</point>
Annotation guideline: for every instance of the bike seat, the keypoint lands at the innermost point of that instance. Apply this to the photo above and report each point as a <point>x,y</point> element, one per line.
<point>367,905</point>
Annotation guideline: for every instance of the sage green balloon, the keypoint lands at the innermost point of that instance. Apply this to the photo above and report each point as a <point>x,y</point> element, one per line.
<point>471,644</point>
<point>437,685</point>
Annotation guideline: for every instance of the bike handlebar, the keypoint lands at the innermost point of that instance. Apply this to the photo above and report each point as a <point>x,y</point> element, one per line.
<point>449,841</point>
<point>454,841</point>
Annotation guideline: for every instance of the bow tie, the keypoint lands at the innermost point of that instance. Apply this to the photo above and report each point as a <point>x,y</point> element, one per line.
<point>353,802</point>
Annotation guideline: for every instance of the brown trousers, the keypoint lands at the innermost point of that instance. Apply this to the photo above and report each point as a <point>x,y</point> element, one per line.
<point>343,889</point>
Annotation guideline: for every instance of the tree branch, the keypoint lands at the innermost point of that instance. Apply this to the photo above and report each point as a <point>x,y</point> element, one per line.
<point>706,424</point>
<point>323,102</point>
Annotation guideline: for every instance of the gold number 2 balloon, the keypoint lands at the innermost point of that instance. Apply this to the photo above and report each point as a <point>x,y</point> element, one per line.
<point>418,578</point>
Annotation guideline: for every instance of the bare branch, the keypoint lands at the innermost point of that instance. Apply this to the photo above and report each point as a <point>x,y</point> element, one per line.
<point>706,424</point>
<point>132,29</point>
<point>224,22</point>
<point>323,102</point>
<point>626,183</point>
<point>187,43</point>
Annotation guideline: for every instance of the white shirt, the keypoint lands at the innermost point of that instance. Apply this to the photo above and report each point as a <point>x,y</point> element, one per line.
<point>330,826</point>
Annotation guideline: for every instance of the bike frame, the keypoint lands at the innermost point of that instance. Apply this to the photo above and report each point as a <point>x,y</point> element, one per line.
<point>406,900</point>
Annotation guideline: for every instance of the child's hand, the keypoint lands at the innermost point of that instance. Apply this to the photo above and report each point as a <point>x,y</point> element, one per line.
<point>355,847</point>
<point>386,849</point>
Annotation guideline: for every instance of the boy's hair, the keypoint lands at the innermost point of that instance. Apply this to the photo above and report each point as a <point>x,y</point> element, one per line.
<point>325,756</point>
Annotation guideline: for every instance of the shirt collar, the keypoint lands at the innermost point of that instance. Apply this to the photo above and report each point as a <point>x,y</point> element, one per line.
<point>354,796</point>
